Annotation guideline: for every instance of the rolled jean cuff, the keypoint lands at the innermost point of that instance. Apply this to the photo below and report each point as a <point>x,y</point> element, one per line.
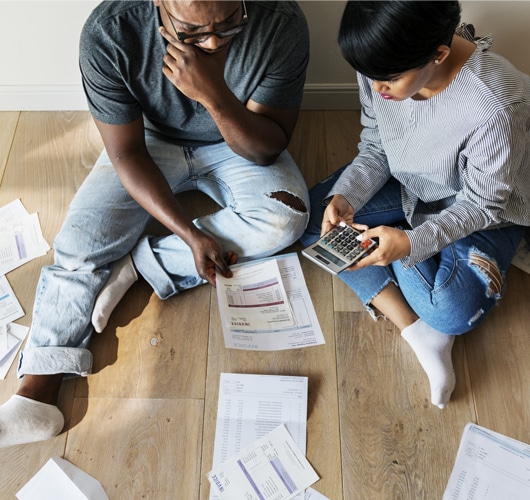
<point>151,270</point>
<point>53,360</point>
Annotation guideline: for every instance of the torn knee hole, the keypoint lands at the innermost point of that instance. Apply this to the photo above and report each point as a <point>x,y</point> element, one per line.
<point>489,270</point>
<point>289,200</point>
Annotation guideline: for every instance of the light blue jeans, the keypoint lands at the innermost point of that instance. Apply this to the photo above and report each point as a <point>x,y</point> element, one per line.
<point>449,291</point>
<point>104,223</point>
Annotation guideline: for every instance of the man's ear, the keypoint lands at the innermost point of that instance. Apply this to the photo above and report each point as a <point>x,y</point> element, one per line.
<point>441,54</point>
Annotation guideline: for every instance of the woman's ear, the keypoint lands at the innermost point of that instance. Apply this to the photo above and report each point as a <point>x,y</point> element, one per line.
<point>441,54</point>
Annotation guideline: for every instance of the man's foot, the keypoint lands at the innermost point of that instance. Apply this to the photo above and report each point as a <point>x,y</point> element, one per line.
<point>122,277</point>
<point>433,350</point>
<point>24,420</point>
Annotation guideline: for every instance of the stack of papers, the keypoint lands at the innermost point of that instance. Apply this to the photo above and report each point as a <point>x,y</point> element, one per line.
<point>21,240</point>
<point>260,438</point>
<point>266,306</point>
<point>489,466</point>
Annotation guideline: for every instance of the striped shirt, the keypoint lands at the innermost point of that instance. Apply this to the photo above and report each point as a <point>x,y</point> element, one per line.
<point>461,156</point>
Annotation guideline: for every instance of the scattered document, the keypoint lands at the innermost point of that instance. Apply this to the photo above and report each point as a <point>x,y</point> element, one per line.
<point>271,468</point>
<point>312,494</point>
<point>250,406</point>
<point>61,480</point>
<point>263,311</point>
<point>10,308</point>
<point>522,256</point>
<point>11,337</point>
<point>489,466</point>
<point>21,238</point>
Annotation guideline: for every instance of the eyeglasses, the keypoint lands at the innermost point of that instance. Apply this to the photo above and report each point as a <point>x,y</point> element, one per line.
<point>197,38</point>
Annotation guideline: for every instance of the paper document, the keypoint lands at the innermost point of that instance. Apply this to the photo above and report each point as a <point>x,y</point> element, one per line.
<point>21,238</point>
<point>489,466</point>
<point>250,406</point>
<point>266,306</point>
<point>61,480</point>
<point>11,338</point>
<point>312,494</point>
<point>255,299</point>
<point>10,308</point>
<point>271,468</point>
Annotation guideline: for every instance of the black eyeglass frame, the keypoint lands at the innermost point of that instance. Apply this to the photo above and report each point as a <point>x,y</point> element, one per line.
<point>202,37</point>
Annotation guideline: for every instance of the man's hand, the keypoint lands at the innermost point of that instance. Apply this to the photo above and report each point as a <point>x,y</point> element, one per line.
<point>198,74</point>
<point>208,257</point>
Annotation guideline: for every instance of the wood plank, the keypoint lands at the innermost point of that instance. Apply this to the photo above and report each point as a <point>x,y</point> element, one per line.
<point>395,443</point>
<point>8,126</point>
<point>317,363</point>
<point>342,138</point>
<point>151,348</point>
<point>307,146</point>
<point>40,164</point>
<point>139,448</point>
<point>498,352</point>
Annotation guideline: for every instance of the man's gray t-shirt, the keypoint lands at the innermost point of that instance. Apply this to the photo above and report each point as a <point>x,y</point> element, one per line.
<point>121,60</point>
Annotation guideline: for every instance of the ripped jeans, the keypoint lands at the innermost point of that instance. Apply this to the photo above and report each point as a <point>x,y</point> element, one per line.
<point>104,223</point>
<point>452,291</point>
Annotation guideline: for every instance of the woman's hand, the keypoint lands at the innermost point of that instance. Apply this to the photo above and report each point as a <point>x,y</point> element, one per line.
<point>393,244</point>
<point>337,211</point>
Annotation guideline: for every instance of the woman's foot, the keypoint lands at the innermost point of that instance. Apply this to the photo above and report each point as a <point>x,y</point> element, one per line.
<point>433,350</point>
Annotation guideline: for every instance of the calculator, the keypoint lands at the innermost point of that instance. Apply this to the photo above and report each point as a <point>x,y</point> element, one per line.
<point>338,249</point>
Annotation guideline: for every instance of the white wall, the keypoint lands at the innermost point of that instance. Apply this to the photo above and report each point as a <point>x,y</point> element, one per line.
<point>39,47</point>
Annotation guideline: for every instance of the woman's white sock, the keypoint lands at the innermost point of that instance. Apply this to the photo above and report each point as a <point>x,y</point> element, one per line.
<point>24,420</point>
<point>122,277</point>
<point>433,350</point>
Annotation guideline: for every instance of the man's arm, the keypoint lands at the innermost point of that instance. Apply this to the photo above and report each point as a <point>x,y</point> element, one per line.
<point>144,181</point>
<point>253,131</point>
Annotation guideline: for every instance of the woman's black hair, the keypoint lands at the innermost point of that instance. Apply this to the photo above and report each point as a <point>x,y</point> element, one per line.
<point>382,39</point>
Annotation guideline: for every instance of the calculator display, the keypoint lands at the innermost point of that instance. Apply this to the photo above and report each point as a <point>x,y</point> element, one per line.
<point>332,258</point>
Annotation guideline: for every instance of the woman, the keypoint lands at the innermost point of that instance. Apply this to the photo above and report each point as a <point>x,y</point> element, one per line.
<point>441,179</point>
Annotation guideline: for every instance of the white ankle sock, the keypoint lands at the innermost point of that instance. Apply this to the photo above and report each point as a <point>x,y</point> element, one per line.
<point>24,420</point>
<point>433,350</point>
<point>122,277</point>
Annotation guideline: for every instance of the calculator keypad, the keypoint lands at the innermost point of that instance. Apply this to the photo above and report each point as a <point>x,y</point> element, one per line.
<point>342,240</point>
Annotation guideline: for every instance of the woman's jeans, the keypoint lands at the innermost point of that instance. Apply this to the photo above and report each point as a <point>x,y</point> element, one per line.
<point>104,223</point>
<point>449,291</point>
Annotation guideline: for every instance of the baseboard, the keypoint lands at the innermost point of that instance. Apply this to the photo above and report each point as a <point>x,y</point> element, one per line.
<point>332,96</point>
<point>42,98</point>
<point>71,97</point>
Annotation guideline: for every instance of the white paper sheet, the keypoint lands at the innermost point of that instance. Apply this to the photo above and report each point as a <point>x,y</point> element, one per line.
<point>21,238</point>
<point>306,331</point>
<point>312,494</point>
<point>250,406</point>
<point>61,480</point>
<point>10,308</point>
<point>489,466</point>
<point>254,298</point>
<point>271,468</point>
<point>11,338</point>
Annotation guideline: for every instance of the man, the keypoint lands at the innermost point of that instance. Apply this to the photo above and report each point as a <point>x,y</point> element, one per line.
<point>186,95</point>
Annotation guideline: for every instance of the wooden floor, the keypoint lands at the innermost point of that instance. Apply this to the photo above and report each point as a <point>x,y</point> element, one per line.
<point>143,424</point>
